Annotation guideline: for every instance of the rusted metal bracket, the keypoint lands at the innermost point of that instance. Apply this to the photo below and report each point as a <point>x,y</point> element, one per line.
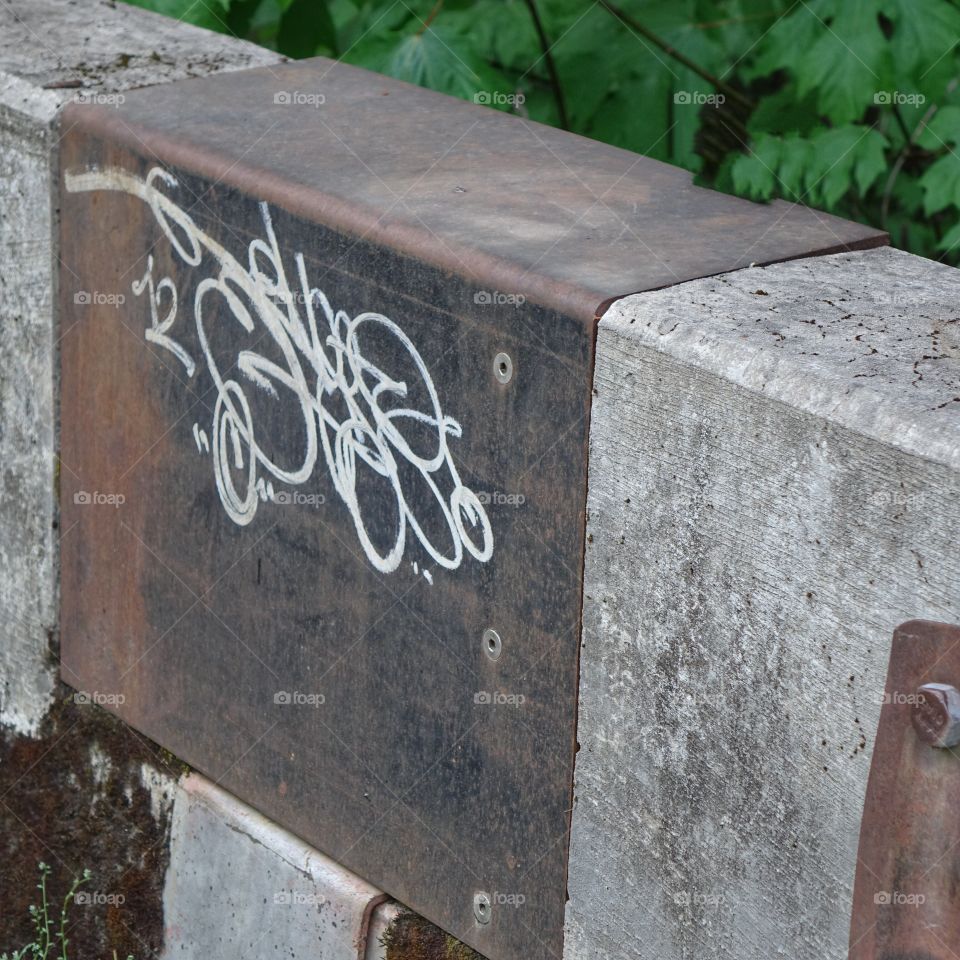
<point>906,902</point>
<point>327,352</point>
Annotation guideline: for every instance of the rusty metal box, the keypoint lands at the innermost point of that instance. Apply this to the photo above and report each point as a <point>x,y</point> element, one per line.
<point>327,346</point>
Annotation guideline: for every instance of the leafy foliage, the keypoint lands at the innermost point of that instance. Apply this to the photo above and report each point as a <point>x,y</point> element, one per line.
<point>50,932</point>
<point>847,105</point>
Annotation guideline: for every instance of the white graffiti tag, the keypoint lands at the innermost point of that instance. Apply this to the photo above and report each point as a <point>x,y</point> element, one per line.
<point>374,431</point>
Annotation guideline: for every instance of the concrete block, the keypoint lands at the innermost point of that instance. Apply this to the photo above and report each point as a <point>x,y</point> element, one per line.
<point>27,477</point>
<point>51,52</point>
<point>774,486</point>
<point>241,888</point>
<point>107,47</point>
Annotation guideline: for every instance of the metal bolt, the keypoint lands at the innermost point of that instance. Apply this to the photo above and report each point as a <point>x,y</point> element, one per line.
<point>492,644</point>
<point>936,714</point>
<point>503,367</point>
<point>481,907</point>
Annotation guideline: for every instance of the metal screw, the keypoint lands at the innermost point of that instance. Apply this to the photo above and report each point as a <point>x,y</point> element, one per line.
<point>936,714</point>
<point>481,907</point>
<point>492,644</point>
<point>503,367</point>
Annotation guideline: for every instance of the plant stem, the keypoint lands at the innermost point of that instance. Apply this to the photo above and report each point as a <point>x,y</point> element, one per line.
<point>67,900</point>
<point>905,152</point>
<point>673,52</point>
<point>898,116</point>
<point>45,913</point>
<point>430,16</point>
<point>551,64</point>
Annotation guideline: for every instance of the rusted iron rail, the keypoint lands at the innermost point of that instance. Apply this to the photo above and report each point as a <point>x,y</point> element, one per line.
<point>907,890</point>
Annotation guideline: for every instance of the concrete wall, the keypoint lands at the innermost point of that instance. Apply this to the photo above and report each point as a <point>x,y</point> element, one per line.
<point>28,536</point>
<point>240,887</point>
<point>774,487</point>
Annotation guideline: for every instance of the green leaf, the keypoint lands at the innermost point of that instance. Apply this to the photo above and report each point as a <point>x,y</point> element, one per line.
<point>365,29</point>
<point>738,27</point>
<point>943,128</point>
<point>754,173</point>
<point>871,160</point>
<point>849,63</point>
<point>951,239</point>
<point>795,158</point>
<point>920,236</point>
<point>502,31</point>
<point>785,112</point>
<point>589,80</point>
<point>444,59</point>
<point>786,45</point>
<point>941,184</point>
<point>830,176</point>
<point>635,116</point>
<point>925,32</point>
<point>908,196</point>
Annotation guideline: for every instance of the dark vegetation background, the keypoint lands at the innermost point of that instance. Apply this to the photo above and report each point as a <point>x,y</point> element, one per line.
<point>847,105</point>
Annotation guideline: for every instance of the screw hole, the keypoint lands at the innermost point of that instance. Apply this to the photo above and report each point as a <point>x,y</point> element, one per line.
<point>492,644</point>
<point>481,907</point>
<point>503,367</point>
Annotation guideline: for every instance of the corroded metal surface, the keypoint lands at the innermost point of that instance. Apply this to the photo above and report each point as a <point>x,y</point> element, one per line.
<point>327,348</point>
<point>291,513</point>
<point>907,892</point>
<point>529,209</point>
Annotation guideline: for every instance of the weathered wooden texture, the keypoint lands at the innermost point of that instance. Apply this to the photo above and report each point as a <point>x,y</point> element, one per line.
<point>372,567</point>
<point>774,486</point>
<point>106,49</point>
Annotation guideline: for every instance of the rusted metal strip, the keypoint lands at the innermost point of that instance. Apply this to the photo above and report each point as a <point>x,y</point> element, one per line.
<point>327,348</point>
<point>907,891</point>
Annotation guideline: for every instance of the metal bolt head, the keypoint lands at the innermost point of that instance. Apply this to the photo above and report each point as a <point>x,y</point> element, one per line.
<point>503,367</point>
<point>482,909</point>
<point>492,644</point>
<point>936,714</point>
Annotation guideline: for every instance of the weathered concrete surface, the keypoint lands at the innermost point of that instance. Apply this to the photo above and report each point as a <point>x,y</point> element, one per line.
<point>110,47</point>
<point>867,340</point>
<point>774,486</point>
<point>106,48</point>
<point>27,479</point>
<point>241,888</point>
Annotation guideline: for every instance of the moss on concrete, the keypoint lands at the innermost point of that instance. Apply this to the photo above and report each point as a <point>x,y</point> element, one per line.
<point>76,798</point>
<point>410,937</point>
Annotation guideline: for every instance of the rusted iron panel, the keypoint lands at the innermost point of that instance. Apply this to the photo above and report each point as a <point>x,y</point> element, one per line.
<point>327,347</point>
<point>496,198</point>
<point>286,535</point>
<point>907,891</point>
